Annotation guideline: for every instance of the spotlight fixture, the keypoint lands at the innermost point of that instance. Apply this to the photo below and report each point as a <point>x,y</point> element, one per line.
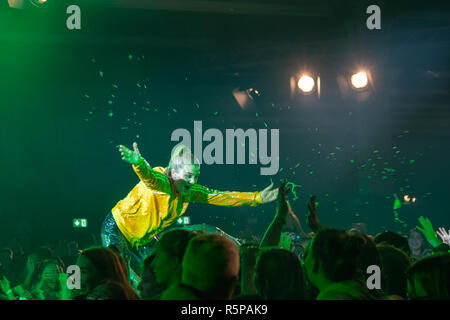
<point>246,97</point>
<point>359,80</point>
<point>306,84</point>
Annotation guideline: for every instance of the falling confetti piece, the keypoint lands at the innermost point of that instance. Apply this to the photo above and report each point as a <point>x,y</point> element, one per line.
<point>86,96</point>
<point>124,128</point>
<point>216,113</point>
<point>293,189</point>
<point>352,161</point>
<point>412,161</point>
<point>101,73</point>
<point>137,136</point>
<point>109,102</point>
<point>298,164</point>
<point>174,110</point>
<point>257,114</point>
<point>115,86</point>
<point>130,57</point>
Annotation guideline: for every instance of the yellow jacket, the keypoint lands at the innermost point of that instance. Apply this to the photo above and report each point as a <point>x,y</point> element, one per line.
<point>154,203</point>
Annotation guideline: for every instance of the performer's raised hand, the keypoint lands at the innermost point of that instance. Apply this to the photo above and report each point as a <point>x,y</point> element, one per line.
<point>129,156</point>
<point>269,194</point>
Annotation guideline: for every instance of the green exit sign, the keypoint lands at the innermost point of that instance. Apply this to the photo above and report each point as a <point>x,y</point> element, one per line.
<point>184,220</point>
<point>79,223</point>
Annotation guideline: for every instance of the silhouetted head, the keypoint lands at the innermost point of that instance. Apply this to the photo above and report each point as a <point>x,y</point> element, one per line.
<point>332,256</point>
<point>395,240</point>
<point>211,265</point>
<point>279,275</point>
<point>429,278</point>
<point>98,265</point>
<point>168,256</point>
<point>394,263</point>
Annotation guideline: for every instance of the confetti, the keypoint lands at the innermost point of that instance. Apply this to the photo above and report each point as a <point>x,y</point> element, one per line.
<point>293,189</point>
<point>101,73</point>
<point>130,57</point>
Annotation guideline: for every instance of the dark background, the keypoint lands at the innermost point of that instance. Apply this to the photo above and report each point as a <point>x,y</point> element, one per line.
<point>59,131</point>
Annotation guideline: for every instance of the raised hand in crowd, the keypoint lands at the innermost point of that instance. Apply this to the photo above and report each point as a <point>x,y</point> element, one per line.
<point>273,232</point>
<point>428,232</point>
<point>313,221</point>
<point>444,235</point>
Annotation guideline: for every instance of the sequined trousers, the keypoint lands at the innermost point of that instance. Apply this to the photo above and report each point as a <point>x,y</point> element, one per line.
<point>111,235</point>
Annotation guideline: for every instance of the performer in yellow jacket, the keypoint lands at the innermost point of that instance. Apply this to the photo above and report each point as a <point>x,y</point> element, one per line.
<point>161,197</point>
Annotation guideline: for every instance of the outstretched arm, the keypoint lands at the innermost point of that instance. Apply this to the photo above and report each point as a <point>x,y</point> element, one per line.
<point>273,232</point>
<point>232,198</point>
<point>152,179</point>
